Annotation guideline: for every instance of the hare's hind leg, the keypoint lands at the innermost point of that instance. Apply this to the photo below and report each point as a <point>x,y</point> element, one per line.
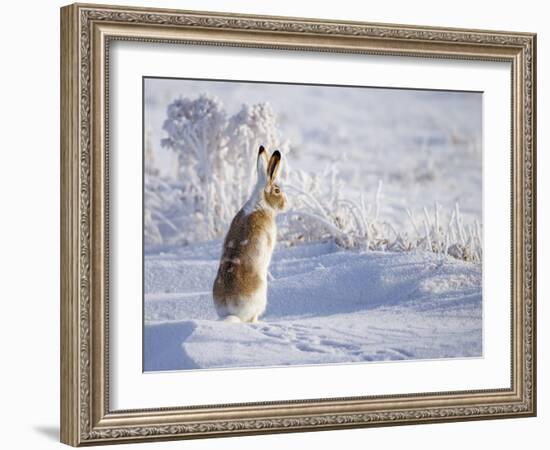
<point>232,319</point>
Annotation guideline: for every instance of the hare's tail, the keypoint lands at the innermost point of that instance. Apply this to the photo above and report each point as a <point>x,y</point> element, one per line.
<point>232,319</point>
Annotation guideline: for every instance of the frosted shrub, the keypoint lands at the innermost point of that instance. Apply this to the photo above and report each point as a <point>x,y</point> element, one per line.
<point>319,211</point>
<point>216,156</point>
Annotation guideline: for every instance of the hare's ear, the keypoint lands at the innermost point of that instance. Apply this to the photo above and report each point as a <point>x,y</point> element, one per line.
<point>274,166</point>
<point>261,164</point>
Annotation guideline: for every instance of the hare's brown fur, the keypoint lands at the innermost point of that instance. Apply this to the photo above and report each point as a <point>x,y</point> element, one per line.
<point>238,275</point>
<point>274,198</point>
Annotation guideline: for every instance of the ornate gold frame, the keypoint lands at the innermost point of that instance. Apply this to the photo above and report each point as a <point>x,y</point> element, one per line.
<point>86,31</point>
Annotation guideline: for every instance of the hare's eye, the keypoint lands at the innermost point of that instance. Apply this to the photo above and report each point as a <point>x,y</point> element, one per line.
<point>276,190</point>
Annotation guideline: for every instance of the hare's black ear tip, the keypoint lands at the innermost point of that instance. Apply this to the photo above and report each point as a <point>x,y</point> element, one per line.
<point>277,154</point>
<point>261,150</point>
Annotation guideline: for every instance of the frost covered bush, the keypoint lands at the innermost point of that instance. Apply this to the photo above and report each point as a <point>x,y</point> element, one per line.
<point>320,211</point>
<point>216,163</point>
<point>216,156</point>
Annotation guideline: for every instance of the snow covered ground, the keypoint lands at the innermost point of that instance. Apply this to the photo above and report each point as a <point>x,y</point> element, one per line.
<point>325,305</point>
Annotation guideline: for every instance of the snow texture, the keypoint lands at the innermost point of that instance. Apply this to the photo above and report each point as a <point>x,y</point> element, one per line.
<point>325,305</point>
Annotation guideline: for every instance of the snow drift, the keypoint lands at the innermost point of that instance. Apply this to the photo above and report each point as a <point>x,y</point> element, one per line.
<point>325,305</point>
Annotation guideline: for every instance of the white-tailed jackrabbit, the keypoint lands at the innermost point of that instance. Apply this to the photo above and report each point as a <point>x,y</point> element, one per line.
<point>240,287</point>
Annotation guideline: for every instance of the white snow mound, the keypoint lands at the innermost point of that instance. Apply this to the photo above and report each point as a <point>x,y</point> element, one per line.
<point>325,305</point>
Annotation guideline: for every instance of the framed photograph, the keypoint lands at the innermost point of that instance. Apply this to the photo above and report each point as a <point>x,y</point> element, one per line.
<point>276,224</point>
